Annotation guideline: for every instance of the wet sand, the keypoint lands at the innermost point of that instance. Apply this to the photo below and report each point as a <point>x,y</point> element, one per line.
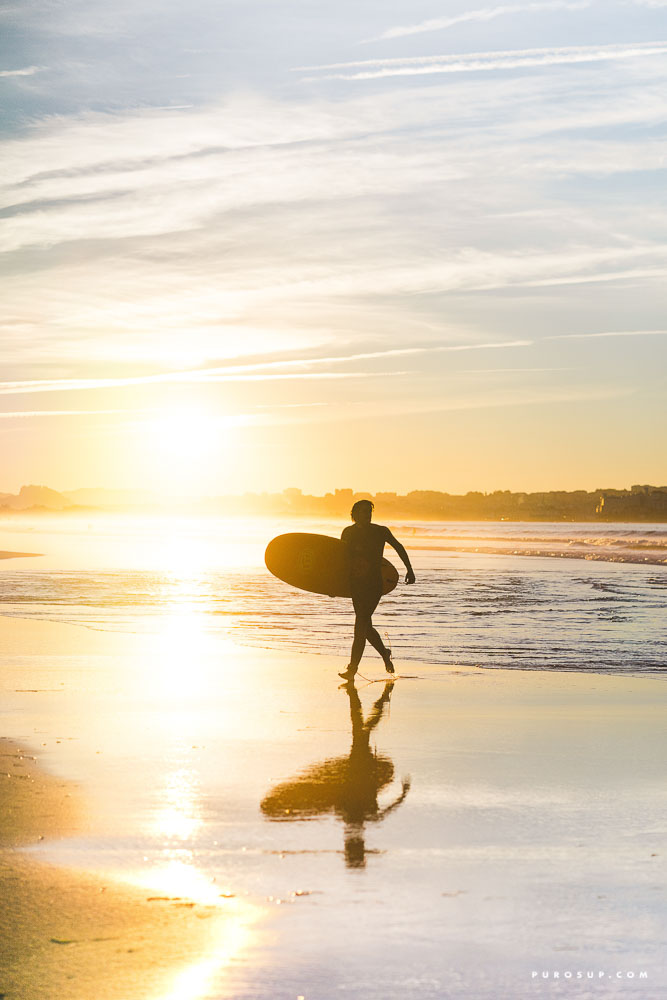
<point>221,822</point>
<point>65,934</point>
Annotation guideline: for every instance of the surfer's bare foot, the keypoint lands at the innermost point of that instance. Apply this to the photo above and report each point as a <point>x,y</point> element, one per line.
<point>388,665</point>
<point>348,675</point>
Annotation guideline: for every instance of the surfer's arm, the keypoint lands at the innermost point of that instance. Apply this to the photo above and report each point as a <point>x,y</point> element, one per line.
<point>402,554</point>
<point>394,805</point>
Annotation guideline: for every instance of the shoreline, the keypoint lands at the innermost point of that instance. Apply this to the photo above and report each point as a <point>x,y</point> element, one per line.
<point>120,636</point>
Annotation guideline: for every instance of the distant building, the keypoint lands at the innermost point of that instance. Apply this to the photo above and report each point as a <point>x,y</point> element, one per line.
<point>642,503</point>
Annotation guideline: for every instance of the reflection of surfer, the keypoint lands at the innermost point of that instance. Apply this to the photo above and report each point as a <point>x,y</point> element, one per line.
<point>365,544</point>
<point>347,786</point>
<point>367,774</point>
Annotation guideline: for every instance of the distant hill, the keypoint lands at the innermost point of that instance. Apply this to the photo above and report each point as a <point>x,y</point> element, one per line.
<point>110,498</point>
<point>34,496</point>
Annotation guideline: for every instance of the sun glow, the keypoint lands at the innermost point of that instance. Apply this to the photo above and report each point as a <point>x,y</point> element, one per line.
<point>184,448</point>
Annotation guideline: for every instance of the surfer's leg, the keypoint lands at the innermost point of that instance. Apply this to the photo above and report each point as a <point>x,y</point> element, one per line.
<point>358,643</point>
<point>373,636</point>
<point>376,642</point>
<point>363,609</point>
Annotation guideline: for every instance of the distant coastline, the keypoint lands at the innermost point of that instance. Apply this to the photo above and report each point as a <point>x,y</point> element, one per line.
<point>639,504</point>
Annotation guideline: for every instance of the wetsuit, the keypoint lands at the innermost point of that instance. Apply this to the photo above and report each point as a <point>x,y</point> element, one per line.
<point>365,545</point>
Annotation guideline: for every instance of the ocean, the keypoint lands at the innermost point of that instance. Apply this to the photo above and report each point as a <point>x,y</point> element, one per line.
<point>538,596</point>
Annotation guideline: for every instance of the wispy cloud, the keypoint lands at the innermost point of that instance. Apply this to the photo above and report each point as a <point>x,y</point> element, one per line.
<point>14,414</point>
<point>260,372</point>
<point>512,371</point>
<point>323,226</point>
<point>608,333</point>
<point>26,71</point>
<point>514,396</point>
<point>530,397</point>
<point>481,14</point>
<point>69,385</point>
<point>478,62</point>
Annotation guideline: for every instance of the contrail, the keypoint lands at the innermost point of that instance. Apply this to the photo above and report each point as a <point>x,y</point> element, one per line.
<point>485,61</point>
<point>482,14</point>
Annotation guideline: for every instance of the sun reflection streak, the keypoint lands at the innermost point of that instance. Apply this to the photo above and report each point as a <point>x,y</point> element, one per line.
<point>177,878</point>
<point>181,664</point>
<point>179,668</point>
<point>194,982</point>
<point>178,816</point>
<point>228,930</point>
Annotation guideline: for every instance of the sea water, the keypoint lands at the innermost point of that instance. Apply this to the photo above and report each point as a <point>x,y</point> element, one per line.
<point>560,596</point>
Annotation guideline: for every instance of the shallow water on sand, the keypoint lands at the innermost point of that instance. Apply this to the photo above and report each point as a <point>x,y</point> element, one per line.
<point>447,836</point>
<point>532,596</point>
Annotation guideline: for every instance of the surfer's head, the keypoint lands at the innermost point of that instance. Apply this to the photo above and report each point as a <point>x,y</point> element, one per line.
<point>362,511</point>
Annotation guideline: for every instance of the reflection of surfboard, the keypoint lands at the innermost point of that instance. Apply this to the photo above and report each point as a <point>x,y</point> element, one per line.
<point>344,784</point>
<point>317,563</point>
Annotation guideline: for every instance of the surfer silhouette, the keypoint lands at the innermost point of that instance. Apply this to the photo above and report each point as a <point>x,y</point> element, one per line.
<point>365,544</point>
<point>346,786</point>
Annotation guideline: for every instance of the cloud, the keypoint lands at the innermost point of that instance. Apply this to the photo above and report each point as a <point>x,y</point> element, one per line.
<point>608,333</point>
<point>259,372</point>
<point>475,62</point>
<point>481,14</point>
<point>144,240</point>
<point>13,414</point>
<point>507,371</point>
<point>69,385</point>
<point>27,71</point>
<point>454,399</point>
<point>486,399</point>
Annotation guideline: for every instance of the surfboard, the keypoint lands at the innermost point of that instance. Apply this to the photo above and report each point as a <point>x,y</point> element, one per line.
<point>317,563</point>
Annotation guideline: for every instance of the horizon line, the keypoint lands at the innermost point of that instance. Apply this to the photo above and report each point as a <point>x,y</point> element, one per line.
<point>298,491</point>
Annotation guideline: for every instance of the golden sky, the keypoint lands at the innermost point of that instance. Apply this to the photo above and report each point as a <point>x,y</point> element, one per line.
<point>253,246</point>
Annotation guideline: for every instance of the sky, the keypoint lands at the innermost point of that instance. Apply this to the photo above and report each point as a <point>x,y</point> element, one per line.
<point>259,244</point>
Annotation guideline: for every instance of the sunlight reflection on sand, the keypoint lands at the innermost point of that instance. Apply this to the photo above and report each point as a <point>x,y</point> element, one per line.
<point>229,923</point>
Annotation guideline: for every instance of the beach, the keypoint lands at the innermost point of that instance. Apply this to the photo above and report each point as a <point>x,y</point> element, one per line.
<point>206,820</point>
<point>78,935</point>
